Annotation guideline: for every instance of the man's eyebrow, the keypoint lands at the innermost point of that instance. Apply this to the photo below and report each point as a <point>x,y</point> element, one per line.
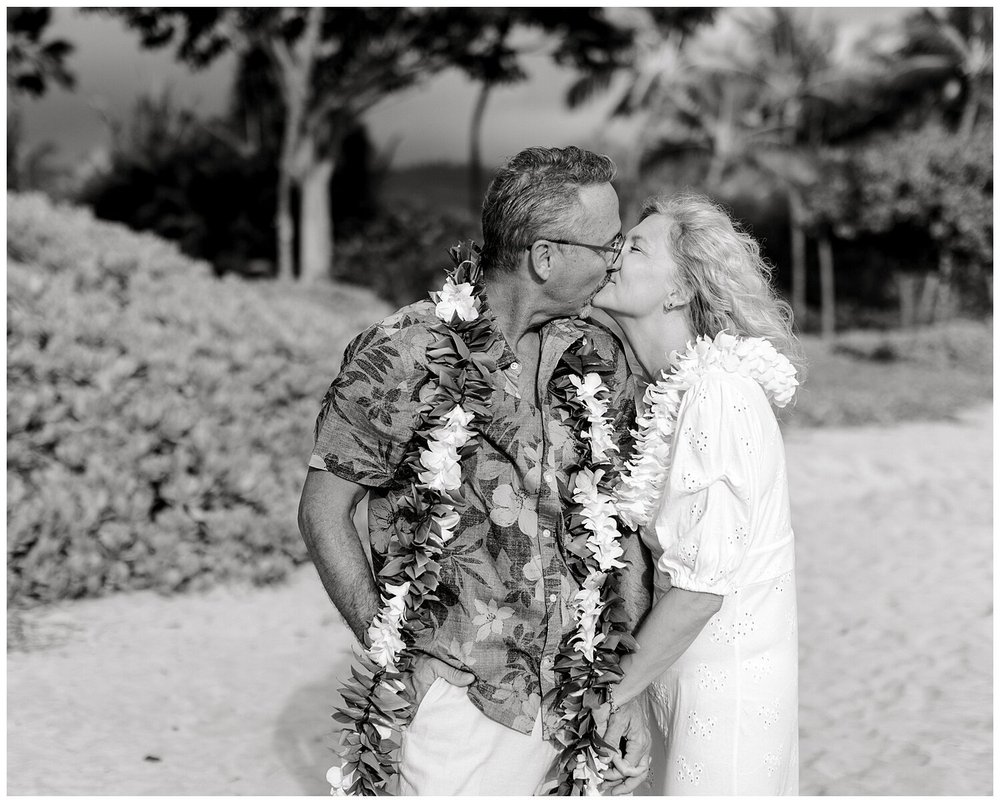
<point>639,239</point>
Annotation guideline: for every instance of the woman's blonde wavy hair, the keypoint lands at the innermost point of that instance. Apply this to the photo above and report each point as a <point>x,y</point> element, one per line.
<point>721,266</point>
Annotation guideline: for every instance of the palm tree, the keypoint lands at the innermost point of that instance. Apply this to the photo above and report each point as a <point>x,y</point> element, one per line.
<point>802,87</point>
<point>788,89</point>
<point>950,50</point>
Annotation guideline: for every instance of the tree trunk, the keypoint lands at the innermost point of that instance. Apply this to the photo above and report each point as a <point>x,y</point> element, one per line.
<point>286,225</point>
<point>316,223</point>
<point>907,285</point>
<point>294,74</point>
<point>925,311</point>
<point>942,305</point>
<point>475,151</point>
<point>827,288</point>
<point>796,213</point>
<point>971,110</point>
<point>285,219</point>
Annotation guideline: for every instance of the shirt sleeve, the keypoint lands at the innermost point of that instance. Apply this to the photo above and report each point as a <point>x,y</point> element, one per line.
<point>369,414</point>
<point>704,520</point>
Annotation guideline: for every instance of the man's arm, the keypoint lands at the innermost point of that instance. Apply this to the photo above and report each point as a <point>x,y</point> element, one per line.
<point>326,521</point>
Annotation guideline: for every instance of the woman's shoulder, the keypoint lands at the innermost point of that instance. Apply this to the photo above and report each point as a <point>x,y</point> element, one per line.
<point>728,365</point>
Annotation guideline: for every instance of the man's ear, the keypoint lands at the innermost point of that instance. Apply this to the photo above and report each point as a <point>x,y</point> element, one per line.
<point>540,257</point>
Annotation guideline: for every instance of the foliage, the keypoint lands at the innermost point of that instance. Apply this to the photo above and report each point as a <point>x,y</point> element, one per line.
<point>398,254</point>
<point>176,175</point>
<point>887,377</point>
<point>159,420</point>
<point>329,66</point>
<point>647,44</point>
<point>31,167</point>
<point>943,67</point>
<point>33,61</point>
<point>962,344</point>
<point>168,173</point>
<point>929,182</point>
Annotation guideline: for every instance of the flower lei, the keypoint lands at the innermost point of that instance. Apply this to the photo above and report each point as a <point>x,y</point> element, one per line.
<point>589,655</point>
<point>638,496</point>
<point>376,700</point>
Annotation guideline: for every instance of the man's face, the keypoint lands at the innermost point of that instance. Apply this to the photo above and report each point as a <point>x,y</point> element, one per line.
<point>579,272</point>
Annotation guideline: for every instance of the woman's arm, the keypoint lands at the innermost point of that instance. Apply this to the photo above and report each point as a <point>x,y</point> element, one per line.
<point>672,625</point>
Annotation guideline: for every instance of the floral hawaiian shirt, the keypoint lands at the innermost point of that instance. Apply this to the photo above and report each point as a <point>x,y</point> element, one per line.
<point>505,592</point>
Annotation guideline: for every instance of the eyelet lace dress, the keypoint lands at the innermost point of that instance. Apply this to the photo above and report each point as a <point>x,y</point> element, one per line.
<point>728,708</point>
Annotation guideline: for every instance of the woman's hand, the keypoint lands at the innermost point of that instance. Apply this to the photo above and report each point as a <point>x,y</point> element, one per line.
<point>629,765</point>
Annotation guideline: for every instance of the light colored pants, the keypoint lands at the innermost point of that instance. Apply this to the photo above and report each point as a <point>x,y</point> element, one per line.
<point>453,748</point>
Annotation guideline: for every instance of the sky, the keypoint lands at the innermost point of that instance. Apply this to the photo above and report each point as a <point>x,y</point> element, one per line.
<point>425,124</point>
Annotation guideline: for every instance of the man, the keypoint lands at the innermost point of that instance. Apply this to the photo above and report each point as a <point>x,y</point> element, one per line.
<point>552,236</point>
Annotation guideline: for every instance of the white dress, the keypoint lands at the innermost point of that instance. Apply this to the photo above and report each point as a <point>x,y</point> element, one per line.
<point>728,708</point>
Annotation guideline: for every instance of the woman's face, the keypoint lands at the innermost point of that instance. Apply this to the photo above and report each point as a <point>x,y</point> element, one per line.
<point>648,273</point>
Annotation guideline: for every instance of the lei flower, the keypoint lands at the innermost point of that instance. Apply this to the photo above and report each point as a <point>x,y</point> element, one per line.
<point>638,496</point>
<point>377,703</point>
<point>589,655</point>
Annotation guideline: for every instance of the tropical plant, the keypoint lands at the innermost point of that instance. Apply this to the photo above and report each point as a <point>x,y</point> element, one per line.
<point>947,53</point>
<point>34,61</point>
<point>933,185</point>
<point>330,66</point>
<point>490,45</point>
<point>159,419</point>
<point>169,172</point>
<point>761,96</point>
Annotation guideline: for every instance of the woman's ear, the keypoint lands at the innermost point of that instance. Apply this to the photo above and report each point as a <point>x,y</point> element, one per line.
<point>677,297</point>
<point>540,259</point>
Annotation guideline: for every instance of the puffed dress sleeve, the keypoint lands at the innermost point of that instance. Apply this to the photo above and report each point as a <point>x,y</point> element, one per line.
<point>703,524</point>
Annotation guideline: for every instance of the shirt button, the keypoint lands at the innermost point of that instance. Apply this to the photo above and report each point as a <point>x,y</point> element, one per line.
<point>548,476</point>
<point>515,366</point>
<point>546,533</point>
<point>548,663</point>
<point>553,597</point>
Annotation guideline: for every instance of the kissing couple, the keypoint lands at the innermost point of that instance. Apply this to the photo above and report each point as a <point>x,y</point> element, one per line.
<point>565,534</point>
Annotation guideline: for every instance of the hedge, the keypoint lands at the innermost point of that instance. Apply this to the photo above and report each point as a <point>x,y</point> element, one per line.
<point>159,419</point>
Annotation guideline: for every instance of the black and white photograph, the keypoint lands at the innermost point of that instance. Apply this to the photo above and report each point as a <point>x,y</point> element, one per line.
<point>460,401</point>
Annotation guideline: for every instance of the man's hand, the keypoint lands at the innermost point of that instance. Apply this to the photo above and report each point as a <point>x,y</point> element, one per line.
<point>629,768</point>
<point>427,669</point>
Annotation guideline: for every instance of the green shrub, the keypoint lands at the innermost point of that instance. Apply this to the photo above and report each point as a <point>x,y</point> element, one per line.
<point>960,343</point>
<point>159,420</point>
<point>399,254</point>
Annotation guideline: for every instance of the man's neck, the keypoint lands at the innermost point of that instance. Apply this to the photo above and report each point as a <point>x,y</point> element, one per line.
<point>517,309</point>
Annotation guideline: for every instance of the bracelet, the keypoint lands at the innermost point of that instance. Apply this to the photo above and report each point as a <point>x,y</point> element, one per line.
<point>612,706</point>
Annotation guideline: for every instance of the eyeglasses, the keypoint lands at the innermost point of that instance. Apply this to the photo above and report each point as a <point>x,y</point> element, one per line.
<point>614,247</point>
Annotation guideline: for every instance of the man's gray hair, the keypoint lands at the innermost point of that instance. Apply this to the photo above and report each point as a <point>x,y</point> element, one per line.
<point>536,195</point>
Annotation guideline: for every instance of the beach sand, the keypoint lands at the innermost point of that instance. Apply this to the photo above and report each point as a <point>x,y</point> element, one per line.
<point>229,692</point>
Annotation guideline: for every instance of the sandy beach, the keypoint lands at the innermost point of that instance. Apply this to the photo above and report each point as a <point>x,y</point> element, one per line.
<point>230,692</point>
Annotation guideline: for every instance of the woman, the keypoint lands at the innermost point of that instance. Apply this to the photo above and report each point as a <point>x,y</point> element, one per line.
<point>707,486</point>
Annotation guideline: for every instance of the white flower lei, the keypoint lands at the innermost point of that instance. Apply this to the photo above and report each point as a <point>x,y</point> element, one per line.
<point>645,475</point>
<point>598,514</point>
<point>440,471</point>
<point>438,481</point>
